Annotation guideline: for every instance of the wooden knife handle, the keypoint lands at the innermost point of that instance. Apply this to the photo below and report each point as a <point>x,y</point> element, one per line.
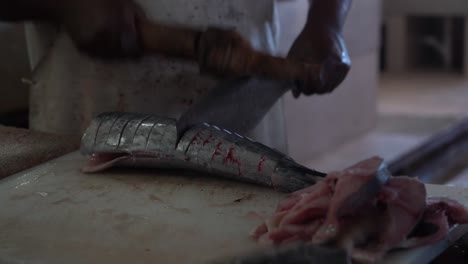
<point>244,62</point>
<point>174,41</point>
<point>222,52</point>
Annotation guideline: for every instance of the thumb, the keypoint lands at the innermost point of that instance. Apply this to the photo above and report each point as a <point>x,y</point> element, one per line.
<point>130,39</point>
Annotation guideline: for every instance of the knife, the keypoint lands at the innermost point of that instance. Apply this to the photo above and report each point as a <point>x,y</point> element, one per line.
<point>239,104</point>
<point>235,105</point>
<point>219,52</point>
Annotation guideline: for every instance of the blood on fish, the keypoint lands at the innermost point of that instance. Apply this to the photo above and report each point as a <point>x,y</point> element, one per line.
<point>197,137</point>
<point>208,140</point>
<point>230,158</point>
<point>260,163</point>
<point>217,150</point>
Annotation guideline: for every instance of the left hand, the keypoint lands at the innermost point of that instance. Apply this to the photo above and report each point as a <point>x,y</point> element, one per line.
<point>324,46</point>
<point>103,28</point>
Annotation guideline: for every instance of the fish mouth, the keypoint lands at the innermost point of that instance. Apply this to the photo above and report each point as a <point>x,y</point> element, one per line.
<point>102,161</point>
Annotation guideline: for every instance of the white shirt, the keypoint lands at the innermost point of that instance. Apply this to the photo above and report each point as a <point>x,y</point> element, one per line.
<point>69,88</point>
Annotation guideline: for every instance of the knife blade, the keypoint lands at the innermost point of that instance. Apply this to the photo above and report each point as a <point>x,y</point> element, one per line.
<point>235,105</point>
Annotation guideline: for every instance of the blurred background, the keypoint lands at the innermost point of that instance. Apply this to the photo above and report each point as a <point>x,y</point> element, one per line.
<point>407,83</point>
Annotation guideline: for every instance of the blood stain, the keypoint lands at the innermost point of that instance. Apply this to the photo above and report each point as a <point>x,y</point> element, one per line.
<point>232,159</point>
<point>217,151</point>
<point>260,163</point>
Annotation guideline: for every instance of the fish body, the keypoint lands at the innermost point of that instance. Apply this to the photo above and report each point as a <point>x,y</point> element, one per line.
<point>132,139</point>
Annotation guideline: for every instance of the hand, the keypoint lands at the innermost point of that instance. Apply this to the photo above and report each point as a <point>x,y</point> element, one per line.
<point>103,28</point>
<point>326,47</point>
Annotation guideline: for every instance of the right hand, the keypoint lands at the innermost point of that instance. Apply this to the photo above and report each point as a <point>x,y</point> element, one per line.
<point>103,28</point>
<point>325,47</point>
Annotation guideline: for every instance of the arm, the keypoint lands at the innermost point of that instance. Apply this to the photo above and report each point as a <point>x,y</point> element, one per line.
<point>101,28</point>
<point>321,41</point>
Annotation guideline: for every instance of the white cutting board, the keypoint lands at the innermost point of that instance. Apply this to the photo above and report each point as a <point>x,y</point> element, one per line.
<point>55,214</point>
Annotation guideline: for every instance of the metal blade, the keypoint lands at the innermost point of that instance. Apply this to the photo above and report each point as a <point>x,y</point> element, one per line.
<point>237,105</point>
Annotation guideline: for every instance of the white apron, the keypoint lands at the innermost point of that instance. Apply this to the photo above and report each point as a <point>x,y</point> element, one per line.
<point>69,89</point>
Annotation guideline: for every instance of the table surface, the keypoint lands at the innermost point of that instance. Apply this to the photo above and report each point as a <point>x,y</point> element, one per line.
<point>55,214</point>
<point>21,149</point>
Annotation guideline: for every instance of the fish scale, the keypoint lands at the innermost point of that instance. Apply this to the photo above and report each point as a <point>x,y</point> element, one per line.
<point>203,148</point>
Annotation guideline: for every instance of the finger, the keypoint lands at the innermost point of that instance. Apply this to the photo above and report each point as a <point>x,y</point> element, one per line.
<point>336,74</point>
<point>139,12</point>
<point>130,35</point>
<point>296,90</point>
<point>312,87</point>
<point>117,36</point>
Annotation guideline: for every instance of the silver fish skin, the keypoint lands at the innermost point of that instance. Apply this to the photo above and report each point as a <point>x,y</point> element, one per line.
<point>152,141</point>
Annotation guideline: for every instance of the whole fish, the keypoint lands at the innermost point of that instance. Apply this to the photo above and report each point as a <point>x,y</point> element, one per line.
<point>132,139</point>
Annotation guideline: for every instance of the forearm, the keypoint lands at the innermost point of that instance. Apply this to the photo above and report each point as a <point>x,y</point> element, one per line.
<point>24,10</point>
<point>327,14</point>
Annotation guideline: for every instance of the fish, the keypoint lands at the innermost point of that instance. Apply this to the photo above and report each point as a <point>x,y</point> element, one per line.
<point>366,216</point>
<point>116,139</point>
